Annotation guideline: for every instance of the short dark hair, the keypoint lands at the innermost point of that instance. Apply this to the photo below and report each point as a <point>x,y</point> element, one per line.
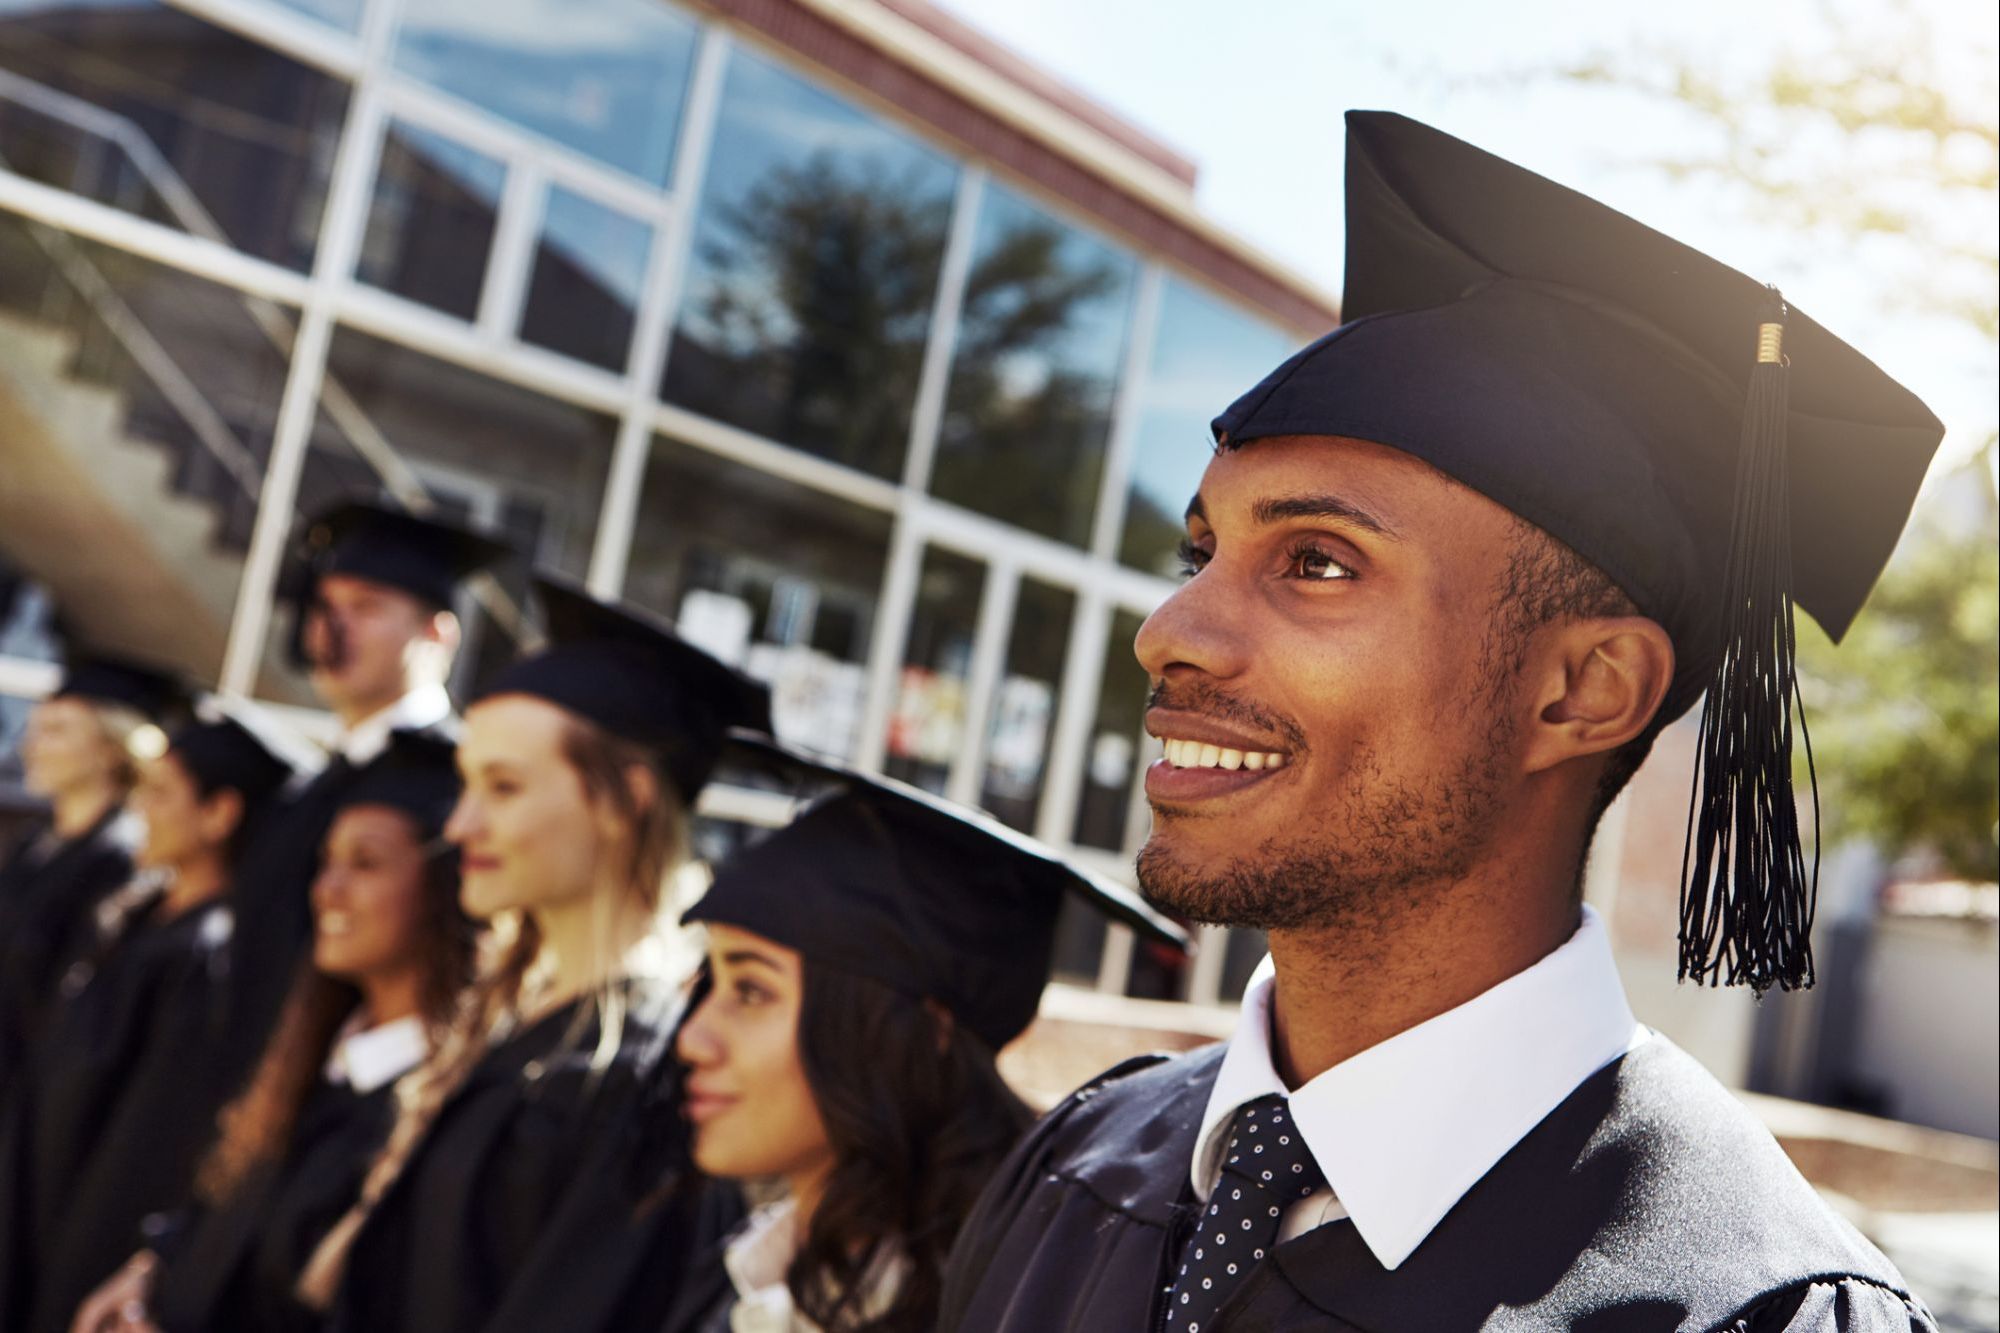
<point>1546,583</point>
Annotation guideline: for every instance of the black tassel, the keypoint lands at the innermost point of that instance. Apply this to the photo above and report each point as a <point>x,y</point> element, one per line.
<point>1747,898</point>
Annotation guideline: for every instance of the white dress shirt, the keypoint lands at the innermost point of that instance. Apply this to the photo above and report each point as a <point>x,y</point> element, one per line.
<point>757,1258</point>
<point>425,706</point>
<point>1403,1129</point>
<point>369,1058</point>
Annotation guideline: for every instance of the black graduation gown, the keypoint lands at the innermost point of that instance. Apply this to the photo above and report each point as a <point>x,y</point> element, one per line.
<point>1649,1200</point>
<point>531,1205</point>
<point>49,893</point>
<point>118,1106</point>
<point>232,1269</point>
<point>274,902</point>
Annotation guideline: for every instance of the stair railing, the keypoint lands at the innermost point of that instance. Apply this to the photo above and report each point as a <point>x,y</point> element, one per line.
<point>182,394</point>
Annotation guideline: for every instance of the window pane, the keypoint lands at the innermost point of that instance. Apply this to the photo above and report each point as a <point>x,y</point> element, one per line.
<point>925,730</point>
<point>139,403</point>
<point>768,575</point>
<point>155,112</point>
<point>584,291</point>
<point>605,77</point>
<point>488,452</point>
<point>430,223</point>
<point>1034,371</point>
<point>1118,744</point>
<point>342,14</point>
<point>813,270</point>
<point>1205,355</point>
<point>1024,710</point>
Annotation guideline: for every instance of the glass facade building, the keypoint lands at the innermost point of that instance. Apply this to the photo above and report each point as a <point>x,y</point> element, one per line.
<point>876,383</point>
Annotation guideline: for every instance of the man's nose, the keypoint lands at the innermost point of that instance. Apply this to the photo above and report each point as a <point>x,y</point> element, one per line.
<point>1196,630</point>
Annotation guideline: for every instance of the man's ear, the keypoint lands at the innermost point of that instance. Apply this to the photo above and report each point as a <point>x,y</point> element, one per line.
<point>444,630</point>
<point>1604,680</point>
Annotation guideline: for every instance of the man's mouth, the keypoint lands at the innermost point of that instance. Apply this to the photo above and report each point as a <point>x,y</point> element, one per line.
<point>1205,759</point>
<point>1195,754</point>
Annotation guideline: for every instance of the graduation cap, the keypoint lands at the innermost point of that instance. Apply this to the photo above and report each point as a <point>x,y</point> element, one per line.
<point>234,744</point>
<point>156,693</point>
<point>416,774</point>
<point>627,671</point>
<point>425,557</point>
<point>1718,455</point>
<point>934,900</point>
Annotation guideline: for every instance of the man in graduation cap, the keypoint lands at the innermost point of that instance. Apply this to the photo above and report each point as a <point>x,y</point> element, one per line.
<point>1452,569</point>
<point>371,594</point>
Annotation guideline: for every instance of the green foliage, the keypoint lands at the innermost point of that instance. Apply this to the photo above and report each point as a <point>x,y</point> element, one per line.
<point>1865,142</point>
<point>1905,714</point>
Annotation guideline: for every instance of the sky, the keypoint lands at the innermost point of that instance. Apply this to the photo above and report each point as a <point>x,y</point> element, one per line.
<point>1253,91</point>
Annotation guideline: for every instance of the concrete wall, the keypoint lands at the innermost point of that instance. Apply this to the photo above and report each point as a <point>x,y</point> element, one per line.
<point>1929,1030</point>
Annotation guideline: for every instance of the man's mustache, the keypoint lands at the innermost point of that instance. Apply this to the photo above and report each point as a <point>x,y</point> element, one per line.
<point>1207,700</point>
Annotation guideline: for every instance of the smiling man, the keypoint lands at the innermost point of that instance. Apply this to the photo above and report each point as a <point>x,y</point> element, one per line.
<point>1452,569</point>
<point>372,591</point>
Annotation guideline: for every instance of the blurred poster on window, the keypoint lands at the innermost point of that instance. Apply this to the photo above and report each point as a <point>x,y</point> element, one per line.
<point>716,623</point>
<point>1021,711</point>
<point>926,724</point>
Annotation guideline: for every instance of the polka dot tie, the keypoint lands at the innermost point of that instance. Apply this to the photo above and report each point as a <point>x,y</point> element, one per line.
<point>1266,1169</point>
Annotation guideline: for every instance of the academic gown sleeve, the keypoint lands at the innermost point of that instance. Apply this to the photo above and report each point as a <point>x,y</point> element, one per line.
<point>1048,1251</point>
<point>234,1267</point>
<point>162,1118</point>
<point>1847,1305</point>
<point>522,1209</point>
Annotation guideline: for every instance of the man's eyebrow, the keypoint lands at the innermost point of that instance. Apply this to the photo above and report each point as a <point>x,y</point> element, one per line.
<point>1278,509</point>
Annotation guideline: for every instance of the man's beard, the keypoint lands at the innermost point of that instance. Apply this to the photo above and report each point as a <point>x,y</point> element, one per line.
<point>1386,847</point>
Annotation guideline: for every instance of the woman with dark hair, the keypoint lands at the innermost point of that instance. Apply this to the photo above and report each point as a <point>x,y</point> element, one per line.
<point>120,1090</point>
<point>510,1173</point>
<point>865,966</point>
<point>392,950</point>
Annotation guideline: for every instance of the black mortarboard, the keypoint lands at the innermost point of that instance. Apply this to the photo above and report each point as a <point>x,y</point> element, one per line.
<point>416,774</point>
<point>628,672</point>
<point>157,693</point>
<point>934,900</point>
<point>425,557</point>
<point>235,744</point>
<point>1628,396</point>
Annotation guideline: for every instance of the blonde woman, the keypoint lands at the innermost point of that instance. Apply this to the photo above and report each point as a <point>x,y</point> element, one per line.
<point>81,754</point>
<point>513,1156</point>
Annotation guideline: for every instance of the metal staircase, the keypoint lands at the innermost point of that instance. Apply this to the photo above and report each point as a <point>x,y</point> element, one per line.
<point>124,485</point>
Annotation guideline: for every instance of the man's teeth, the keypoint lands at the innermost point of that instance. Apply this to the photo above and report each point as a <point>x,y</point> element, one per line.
<point>1194,754</point>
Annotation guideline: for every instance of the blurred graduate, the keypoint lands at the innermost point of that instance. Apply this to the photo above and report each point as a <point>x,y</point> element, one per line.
<point>84,746</point>
<point>866,964</point>
<point>392,951</point>
<point>508,1191</point>
<point>119,1092</point>
<point>371,592</point>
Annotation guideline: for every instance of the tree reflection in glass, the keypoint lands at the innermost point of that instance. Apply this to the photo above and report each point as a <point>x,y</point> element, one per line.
<point>815,263</point>
<point>1205,354</point>
<point>1041,334</point>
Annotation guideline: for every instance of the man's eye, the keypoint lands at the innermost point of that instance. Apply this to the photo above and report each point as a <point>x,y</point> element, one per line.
<point>1310,562</point>
<point>1192,558</point>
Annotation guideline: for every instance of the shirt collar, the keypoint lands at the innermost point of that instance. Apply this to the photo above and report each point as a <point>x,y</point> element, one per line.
<point>372,1058</point>
<point>425,706</point>
<point>757,1256</point>
<point>1403,1129</point>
